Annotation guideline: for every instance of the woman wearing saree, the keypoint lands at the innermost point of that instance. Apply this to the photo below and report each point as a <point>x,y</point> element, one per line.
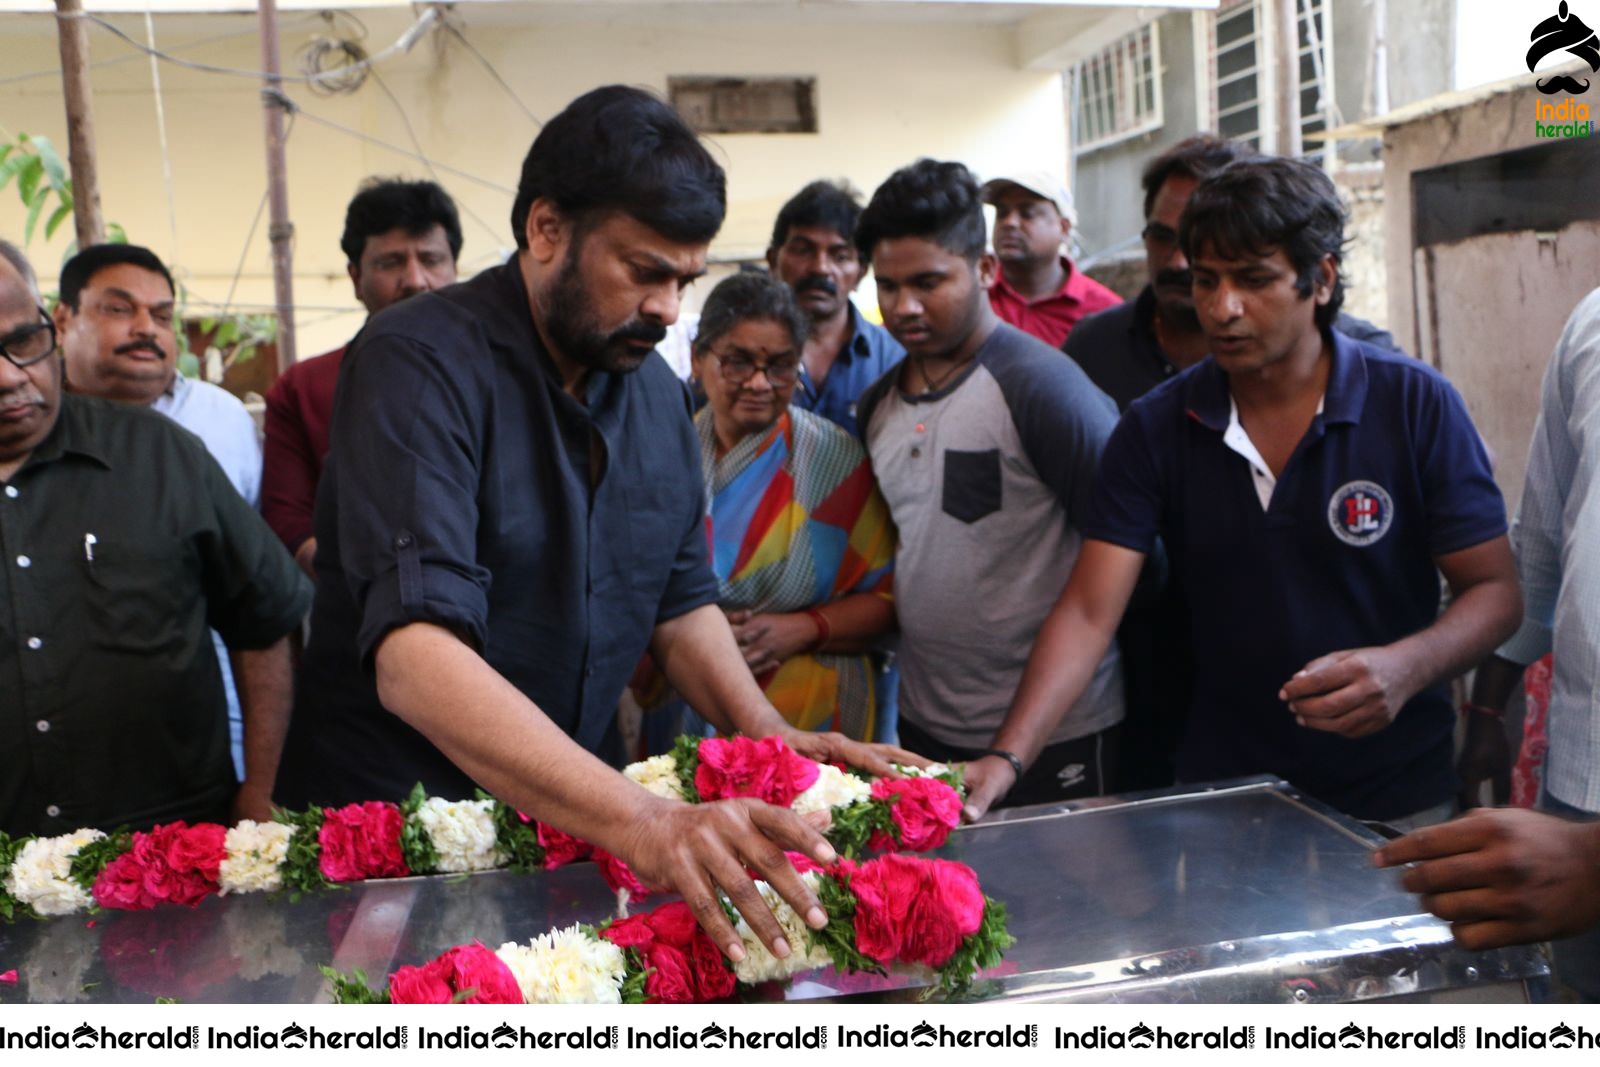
<point>801,540</point>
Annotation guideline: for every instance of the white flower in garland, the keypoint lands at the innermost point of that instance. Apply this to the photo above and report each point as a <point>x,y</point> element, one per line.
<point>760,965</point>
<point>932,770</point>
<point>255,855</point>
<point>462,832</point>
<point>40,874</point>
<point>566,967</point>
<point>832,789</point>
<point>658,775</point>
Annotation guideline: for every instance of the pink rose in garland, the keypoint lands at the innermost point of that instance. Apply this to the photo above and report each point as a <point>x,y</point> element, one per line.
<point>171,864</point>
<point>619,875</point>
<point>924,812</point>
<point>767,769</point>
<point>686,966</point>
<point>913,910</point>
<point>470,969</point>
<point>560,847</point>
<point>361,841</point>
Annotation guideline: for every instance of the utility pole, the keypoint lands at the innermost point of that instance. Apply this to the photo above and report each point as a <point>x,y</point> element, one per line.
<point>279,229</point>
<point>73,37</point>
<point>1288,59</point>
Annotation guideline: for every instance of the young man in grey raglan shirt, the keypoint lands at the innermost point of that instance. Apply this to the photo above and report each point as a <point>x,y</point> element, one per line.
<point>985,442</point>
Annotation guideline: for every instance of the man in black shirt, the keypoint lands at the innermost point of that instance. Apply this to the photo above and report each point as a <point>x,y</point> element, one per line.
<point>512,513</point>
<point>123,541</point>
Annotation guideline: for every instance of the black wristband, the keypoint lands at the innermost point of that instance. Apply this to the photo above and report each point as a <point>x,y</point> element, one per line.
<point>1009,757</point>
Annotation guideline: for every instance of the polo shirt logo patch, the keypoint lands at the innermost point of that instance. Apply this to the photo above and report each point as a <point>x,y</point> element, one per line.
<point>1360,513</point>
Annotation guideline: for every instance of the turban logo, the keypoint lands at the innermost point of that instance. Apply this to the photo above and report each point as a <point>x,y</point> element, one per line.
<point>1567,31</point>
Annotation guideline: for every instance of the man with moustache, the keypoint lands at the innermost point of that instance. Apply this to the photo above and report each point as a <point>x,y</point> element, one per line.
<point>400,238</point>
<point>1130,349</point>
<point>117,320</point>
<point>124,540</point>
<point>1309,489</point>
<point>1038,289</point>
<point>814,254</point>
<point>512,512</point>
<point>984,441</point>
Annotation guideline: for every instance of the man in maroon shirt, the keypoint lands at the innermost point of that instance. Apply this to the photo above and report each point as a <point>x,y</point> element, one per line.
<point>1038,290</point>
<point>401,238</point>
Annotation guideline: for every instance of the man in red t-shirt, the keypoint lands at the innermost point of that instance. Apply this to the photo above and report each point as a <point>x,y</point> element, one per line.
<point>1038,290</point>
<point>400,238</point>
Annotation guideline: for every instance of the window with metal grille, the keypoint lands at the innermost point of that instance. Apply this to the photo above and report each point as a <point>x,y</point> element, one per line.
<point>1119,90</point>
<point>1239,83</point>
<point>1315,56</point>
<point>1242,82</point>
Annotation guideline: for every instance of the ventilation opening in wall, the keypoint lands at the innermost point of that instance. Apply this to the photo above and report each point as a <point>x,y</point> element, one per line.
<point>745,105</point>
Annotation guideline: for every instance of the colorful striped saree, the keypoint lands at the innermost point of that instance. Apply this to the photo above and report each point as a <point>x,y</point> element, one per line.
<point>796,521</point>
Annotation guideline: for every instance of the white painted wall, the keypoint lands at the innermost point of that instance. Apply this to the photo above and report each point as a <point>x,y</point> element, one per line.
<point>888,92</point>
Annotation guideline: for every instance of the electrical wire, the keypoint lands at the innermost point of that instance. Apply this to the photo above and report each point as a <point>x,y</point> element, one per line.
<point>455,31</point>
<point>55,72</point>
<point>495,235</point>
<point>289,105</point>
<point>424,22</point>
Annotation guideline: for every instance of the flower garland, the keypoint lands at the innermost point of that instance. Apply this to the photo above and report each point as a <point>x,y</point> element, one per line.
<point>915,813</point>
<point>890,912</point>
<point>318,849</point>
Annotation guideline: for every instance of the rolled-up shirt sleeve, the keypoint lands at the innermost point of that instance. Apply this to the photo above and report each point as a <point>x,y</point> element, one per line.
<point>407,445</point>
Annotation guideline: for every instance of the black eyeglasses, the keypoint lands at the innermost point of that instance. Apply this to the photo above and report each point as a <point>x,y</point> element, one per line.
<point>739,369</point>
<point>26,346</point>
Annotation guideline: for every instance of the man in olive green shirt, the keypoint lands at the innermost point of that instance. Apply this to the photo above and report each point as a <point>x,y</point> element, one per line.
<point>121,540</point>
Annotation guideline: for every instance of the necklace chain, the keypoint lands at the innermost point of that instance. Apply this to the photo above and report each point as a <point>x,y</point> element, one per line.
<point>930,384</point>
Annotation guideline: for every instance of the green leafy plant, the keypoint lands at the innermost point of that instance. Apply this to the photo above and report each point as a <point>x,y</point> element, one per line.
<point>41,178</point>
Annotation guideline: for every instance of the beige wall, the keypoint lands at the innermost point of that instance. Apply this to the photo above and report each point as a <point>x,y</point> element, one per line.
<point>887,92</point>
<point>1486,311</point>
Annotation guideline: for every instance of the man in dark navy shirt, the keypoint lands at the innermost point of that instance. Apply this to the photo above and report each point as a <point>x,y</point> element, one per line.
<point>1127,351</point>
<point>813,252</point>
<point>512,512</point>
<point>1308,488</point>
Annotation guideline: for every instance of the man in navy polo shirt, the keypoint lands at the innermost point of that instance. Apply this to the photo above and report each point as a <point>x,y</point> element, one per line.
<point>1309,489</point>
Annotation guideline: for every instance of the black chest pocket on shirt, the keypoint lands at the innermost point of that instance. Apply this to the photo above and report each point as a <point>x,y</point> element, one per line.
<point>971,484</point>
<point>134,597</point>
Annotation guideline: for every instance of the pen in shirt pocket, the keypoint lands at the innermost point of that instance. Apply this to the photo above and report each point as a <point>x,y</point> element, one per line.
<point>89,541</point>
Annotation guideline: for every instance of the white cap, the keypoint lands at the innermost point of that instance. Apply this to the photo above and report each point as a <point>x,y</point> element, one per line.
<point>1040,183</point>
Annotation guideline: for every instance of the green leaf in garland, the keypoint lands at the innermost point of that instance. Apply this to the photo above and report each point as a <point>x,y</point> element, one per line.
<point>10,907</point>
<point>516,840</point>
<point>838,938</point>
<point>686,754</point>
<point>855,824</point>
<point>415,843</point>
<point>980,951</point>
<point>352,988</point>
<point>302,864</point>
<point>632,991</point>
<point>96,856</point>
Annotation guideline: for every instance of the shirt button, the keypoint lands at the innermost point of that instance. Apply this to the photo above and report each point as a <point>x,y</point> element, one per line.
<point>36,643</point>
<point>24,561</point>
<point>916,453</point>
<point>52,811</point>
<point>44,727</point>
<point>403,541</point>
<point>1169,370</point>
<point>11,491</point>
